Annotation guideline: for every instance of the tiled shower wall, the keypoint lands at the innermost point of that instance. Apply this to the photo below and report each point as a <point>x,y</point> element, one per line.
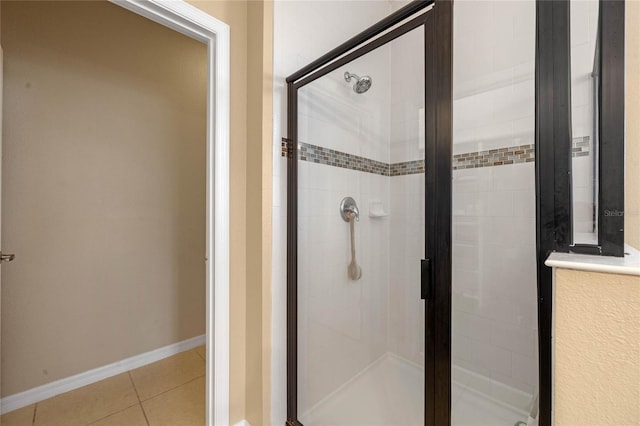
<point>346,325</point>
<point>494,276</point>
<point>342,323</point>
<point>304,31</point>
<point>494,324</point>
<point>406,309</point>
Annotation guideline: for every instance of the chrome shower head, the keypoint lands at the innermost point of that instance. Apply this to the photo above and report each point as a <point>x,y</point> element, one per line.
<point>361,85</point>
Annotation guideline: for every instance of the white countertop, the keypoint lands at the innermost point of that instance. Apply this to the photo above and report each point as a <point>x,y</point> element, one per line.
<point>627,265</point>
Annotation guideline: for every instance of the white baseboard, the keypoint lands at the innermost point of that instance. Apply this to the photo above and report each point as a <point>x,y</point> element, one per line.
<point>242,423</point>
<point>40,393</point>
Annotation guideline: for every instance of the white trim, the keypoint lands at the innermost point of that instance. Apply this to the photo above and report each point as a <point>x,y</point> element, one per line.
<point>193,22</point>
<point>242,423</point>
<point>40,393</point>
<point>627,265</point>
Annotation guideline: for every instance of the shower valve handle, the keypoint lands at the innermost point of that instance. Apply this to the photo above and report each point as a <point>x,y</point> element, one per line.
<point>349,210</point>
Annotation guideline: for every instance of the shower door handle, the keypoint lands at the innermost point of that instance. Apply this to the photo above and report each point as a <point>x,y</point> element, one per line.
<point>425,279</point>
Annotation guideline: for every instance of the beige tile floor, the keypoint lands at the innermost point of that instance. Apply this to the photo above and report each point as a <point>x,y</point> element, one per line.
<point>169,392</point>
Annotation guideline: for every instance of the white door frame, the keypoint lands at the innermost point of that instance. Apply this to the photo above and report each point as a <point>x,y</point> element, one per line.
<point>193,22</point>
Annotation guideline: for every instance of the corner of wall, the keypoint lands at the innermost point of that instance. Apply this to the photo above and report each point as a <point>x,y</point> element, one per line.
<point>632,107</point>
<point>267,208</point>
<point>259,183</point>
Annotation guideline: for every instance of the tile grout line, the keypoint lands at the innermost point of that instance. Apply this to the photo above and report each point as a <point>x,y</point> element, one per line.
<point>110,414</point>
<point>203,357</point>
<point>138,396</point>
<point>35,410</point>
<point>173,388</point>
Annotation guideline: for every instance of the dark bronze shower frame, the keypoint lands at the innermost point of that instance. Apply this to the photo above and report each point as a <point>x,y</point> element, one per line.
<point>553,156</point>
<point>438,28</point>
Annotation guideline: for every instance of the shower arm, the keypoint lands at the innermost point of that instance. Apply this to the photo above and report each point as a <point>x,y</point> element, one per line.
<point>348,76</point>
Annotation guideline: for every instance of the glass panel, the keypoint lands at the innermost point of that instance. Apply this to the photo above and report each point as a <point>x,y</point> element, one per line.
<point>585,73</point>
<point>361,324</point>
<point>494,316</point>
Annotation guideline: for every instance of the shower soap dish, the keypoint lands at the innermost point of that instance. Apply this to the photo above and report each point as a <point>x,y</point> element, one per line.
<point>376,209</point>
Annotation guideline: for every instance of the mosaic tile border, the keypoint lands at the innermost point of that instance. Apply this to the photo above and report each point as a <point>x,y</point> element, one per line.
<point>318,154</point>
<point>469,160</point>
<point>494,157</point>
<point>330,157</point>
<point>406,168</point>
<point>511,155</point>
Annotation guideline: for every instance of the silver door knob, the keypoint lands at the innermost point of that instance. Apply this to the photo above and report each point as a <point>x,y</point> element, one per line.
<point>6,257</point>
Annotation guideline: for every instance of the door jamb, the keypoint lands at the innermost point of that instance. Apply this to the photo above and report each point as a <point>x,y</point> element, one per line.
<point>193,22</point>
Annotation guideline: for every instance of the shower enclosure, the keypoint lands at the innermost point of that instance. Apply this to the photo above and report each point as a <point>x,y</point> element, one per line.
<point>399,309</point>
<point>359,350</point>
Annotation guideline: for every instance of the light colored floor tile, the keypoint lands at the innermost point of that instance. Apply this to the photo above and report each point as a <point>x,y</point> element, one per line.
<point>20,417</point>
<point>183,406</point>
<point>132,416</point>
<point>166,374</point>
<point>202,351</point>
<point>87,404</point>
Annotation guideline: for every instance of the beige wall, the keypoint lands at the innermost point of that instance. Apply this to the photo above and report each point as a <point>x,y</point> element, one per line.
<point>632,106</point>
<point>259,178</point>
<point>236,14</point>
<point>103,188</point>
<point>596,349</point>
<point>251,177</point>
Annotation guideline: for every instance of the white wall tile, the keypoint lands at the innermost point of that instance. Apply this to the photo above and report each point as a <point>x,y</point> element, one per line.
<point>491,357</point>
<point>462,348</point>
<point>524,204</point>
<point>514,177</point>
<point>494,282</point>
<point>513,338</point>
<point>525,368</point>
<point>304,31</point>
<point>473,180</point>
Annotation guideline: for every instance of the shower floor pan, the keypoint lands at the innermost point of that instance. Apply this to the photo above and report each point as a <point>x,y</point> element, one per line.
<point>389,393</point>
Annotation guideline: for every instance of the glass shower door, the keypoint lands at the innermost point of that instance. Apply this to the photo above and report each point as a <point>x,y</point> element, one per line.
<point>360,238</point>
<point>494,299</point>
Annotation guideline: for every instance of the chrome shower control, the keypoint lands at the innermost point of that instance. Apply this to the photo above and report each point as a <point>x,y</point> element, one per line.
<point>349,210</point>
